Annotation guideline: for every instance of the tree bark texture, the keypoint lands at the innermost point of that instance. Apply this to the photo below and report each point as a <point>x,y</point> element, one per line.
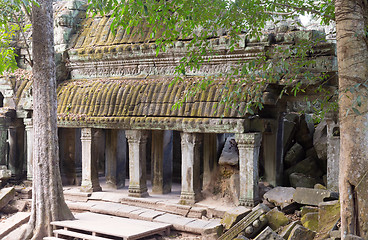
<point>352,52</point>
<point>48,200</point>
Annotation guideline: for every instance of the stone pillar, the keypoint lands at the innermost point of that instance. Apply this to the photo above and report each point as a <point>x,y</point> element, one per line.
<point>209,158</point>
<point>12,157</point>
<point>29,136</point>
<point>137,140</point>
<point>162,159</point>
<point>190,169</point>
<point>90,181</point>
<point>67,155</point>
<point>248,145</point>
<point>115,158</point>
<point>333,152</point>
<point>3,141</point>
<point>78,157</point>
<point>272,142</point>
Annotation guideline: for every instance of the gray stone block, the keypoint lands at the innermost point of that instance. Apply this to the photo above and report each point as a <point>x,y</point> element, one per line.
<point>268,234</point>
<point>233,216</point>
<point>280,196</point>
<point>310,196</point>
<point>6,194</point>
<point>301,233</point>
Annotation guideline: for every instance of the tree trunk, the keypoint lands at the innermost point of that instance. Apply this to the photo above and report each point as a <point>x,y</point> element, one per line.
<point>352,52</point>
<point>48,200</point>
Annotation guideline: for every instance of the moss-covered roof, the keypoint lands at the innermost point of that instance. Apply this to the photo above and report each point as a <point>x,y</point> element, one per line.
<point>85,100</point>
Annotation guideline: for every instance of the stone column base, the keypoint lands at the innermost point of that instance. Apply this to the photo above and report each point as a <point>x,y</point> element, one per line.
<point>85,187</point>
<point>248,202</point>
<point>189,198</point>
<point>136,191</point>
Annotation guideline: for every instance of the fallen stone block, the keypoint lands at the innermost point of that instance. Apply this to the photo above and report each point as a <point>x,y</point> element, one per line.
<point>197,212</point>
<point>301,233</point>
<point>302,180</point>
<point>328,215</point>
<point>24,192</point>
<point>308,209</point>
<point>307,166</point>
<point>285,233</point>
<point>335,234</point>
<point>352,237</point>
<point>233,216</point>
<point>230,152</point>
<point>6,194</point>
<point>309,196</point>
<point>13,222</point>
<point>280,196</point>
<point>268,234</point>
<point>251,224</point>
<point>276,219</point>
<point>14,206</point>
<point>294,155</point>
<point>310,221</point>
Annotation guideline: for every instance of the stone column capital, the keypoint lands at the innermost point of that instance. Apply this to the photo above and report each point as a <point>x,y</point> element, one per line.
<point>191,138</point>
<point>86,134</point>
<point>136,136</point>
<point>28,123</point>
<point>248,140</point>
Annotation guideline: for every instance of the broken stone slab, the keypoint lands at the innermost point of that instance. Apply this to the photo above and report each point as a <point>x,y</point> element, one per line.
<point>294,155</point>
<point>14,206</point>
<point>276,219</point>
<point>352,237</point>
<point>6,195</point>
<point>24,192</point>
<point>5,174</point>
<point>197,212</point>
<point>335,234</point>
<point>328,215</point>
<point>310,221</point>
<point>251,224</point>
<point>285,233</point>
<point>280,196</point>
<point>13,222</point>
<point>232,216</point>
<point>230,153</point>
<point>268,234</point>
<point>302,180</point>
<point>301,233</point>
<point>307,209</point>
<point>310,196</point>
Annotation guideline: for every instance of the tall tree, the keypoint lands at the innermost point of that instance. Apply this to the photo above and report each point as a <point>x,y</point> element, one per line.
<point>48,200</point>
<point>352,53</point>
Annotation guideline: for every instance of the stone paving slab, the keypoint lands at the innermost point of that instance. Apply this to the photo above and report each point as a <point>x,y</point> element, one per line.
<point>178,222</point>
<point>114,226</point>
<point>13,222</point>
<point>150,215</point>
<point>6,194</point>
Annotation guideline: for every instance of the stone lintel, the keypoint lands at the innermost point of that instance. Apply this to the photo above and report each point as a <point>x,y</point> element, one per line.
<point>194,125</point>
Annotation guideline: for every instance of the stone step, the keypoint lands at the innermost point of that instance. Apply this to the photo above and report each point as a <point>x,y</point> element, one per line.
<point>53,238</point>
<point>68,233</point>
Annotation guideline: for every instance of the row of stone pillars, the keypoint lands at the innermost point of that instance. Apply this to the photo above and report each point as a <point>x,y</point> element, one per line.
<point>162,159</point>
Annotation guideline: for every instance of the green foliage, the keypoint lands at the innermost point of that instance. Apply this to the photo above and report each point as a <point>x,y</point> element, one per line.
<point>13,24</point>
<point>197,21</point>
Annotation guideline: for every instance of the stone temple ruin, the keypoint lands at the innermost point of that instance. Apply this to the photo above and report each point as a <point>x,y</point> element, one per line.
<point>115,114</point>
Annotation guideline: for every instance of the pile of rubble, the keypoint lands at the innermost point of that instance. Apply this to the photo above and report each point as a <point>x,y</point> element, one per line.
<point>287,213</point>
